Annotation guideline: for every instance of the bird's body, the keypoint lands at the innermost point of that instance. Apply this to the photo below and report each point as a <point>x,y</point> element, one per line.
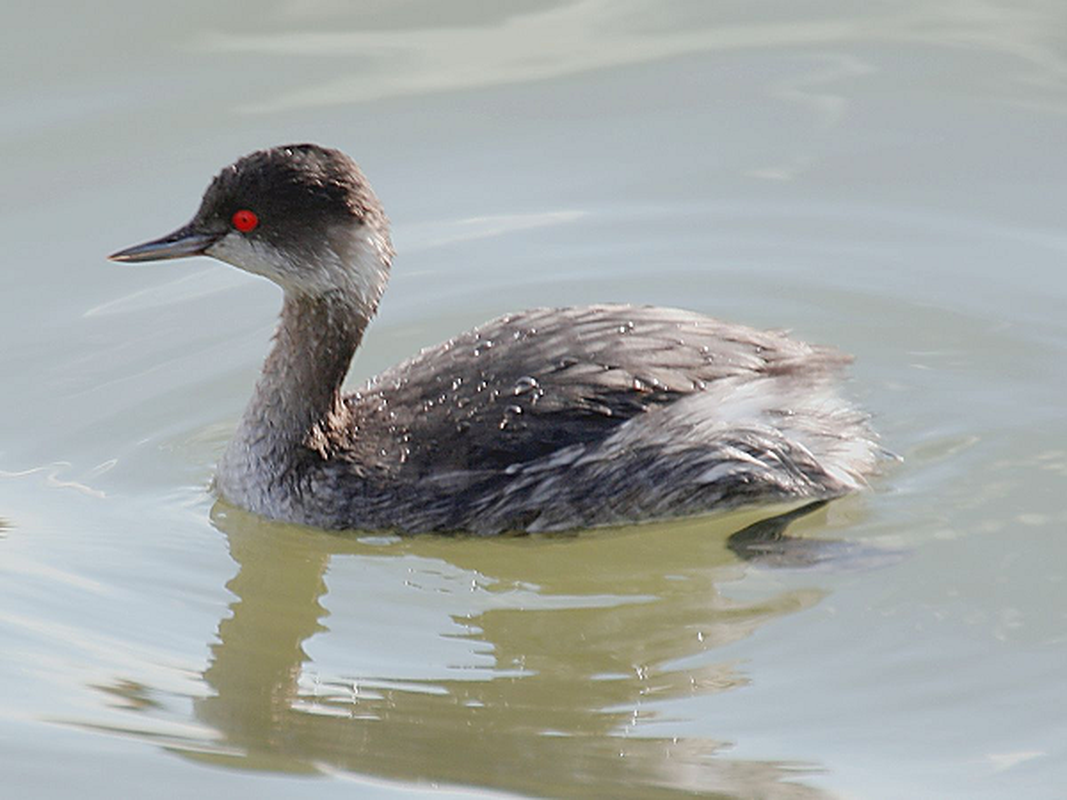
<point>543,420</point>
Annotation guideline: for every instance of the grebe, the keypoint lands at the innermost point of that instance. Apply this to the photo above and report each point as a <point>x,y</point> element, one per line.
<point>547,419</point>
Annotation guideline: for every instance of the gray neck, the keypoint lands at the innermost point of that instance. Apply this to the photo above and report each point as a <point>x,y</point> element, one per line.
<point>297,409</point>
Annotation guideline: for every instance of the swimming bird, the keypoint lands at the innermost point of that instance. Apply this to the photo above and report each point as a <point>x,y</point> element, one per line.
<point>542,420</point>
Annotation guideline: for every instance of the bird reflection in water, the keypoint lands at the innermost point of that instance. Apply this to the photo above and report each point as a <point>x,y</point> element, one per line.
<point>571,679</point>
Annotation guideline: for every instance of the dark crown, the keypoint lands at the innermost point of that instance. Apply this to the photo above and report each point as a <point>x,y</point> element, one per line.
<point>292,188</point>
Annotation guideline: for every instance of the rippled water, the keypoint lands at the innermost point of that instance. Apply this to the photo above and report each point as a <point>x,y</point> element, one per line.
<point>887,178</point>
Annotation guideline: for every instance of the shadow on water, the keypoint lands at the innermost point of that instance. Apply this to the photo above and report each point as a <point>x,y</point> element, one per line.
<point>584,634</point>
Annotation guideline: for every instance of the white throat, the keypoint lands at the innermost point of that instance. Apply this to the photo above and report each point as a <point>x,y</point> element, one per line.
<point>352,260</point>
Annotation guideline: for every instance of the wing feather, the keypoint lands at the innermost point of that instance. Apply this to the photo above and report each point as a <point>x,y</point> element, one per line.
<point>523,386</point>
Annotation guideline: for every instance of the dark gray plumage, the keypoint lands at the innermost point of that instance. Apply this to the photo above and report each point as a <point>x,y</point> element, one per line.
<point>544,420</point>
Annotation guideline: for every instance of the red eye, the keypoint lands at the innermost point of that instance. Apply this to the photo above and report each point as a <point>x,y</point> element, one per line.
<point>244,220</point>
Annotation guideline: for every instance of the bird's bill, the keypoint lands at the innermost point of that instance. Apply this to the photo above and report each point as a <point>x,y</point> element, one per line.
<point>184,242</point>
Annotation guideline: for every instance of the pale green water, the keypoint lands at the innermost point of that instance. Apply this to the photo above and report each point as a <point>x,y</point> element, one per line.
<point>890,180</point>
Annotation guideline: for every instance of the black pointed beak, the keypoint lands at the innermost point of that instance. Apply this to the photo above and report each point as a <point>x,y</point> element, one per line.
<point>186,241</point>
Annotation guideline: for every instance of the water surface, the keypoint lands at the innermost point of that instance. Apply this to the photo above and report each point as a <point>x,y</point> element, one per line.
<point>888,179</point>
